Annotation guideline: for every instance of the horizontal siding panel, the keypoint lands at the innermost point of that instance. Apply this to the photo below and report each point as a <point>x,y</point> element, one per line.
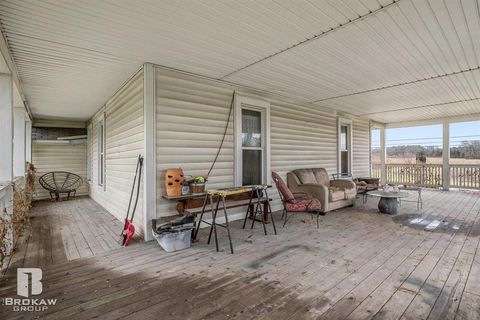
<point>64,157</point>
<point>191,116</point>
<point>124,141</point>
<point>361,148</point>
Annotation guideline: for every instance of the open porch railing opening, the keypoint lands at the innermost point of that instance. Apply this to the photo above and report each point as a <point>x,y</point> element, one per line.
<point>465,176</point>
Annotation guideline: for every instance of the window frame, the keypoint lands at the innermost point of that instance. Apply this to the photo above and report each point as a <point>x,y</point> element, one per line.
<point>101,152</point>
<point>349,124</point>
<point>244,102</point>
<point>89,152</point>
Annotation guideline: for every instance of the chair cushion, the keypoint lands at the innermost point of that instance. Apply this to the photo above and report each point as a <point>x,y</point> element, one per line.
<point>350,193</point>
<point>305,176</point>
<point>304,205</point>
<point>335,194</point>
<point>322,176</point>
<point>372,186</point>
<point>282,187</point>
<point>312,175</point>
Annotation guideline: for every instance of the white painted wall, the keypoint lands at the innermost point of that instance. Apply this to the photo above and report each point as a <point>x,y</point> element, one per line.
<point>124,134</point>
<point>19,140</point>
<point>191,115</point>
<point>28,140</point>
<point>47,157</point>
<point>6,128</point>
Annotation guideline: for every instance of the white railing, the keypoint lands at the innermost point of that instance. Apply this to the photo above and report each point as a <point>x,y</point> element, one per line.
<point>376,171</point>
<point>423,175</point>
<point>465,176</point>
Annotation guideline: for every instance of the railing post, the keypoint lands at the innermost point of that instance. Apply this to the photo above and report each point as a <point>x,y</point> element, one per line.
<point>6,128</point>
<point>383,157</point>
<point>446,156</point>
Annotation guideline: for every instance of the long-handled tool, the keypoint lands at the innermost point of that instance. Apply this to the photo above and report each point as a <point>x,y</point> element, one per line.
<point>128,228</point>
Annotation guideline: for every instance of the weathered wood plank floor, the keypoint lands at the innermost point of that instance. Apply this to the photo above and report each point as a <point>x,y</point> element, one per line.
<point>63,231</point>
<point>358,265</point>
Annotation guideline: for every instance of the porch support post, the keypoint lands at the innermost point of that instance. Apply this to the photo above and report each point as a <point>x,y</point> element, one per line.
<point>6,128</point>
<point>19,142</point>
<point>446,156</point>
<point>383,156</point>
<point>28,140</point>
<point>149,122</point>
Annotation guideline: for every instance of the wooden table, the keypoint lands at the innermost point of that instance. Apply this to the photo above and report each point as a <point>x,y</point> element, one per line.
<point>192,203</point>
<point>257,195</point>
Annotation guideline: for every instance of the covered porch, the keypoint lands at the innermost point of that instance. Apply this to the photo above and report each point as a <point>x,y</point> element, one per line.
<point>361,264</point>
<point>236,94</point>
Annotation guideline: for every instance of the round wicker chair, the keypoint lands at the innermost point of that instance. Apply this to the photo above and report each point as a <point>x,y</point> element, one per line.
<point>60,182</point>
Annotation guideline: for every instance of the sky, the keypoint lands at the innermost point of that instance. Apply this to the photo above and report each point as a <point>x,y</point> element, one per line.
<point>428,135</point>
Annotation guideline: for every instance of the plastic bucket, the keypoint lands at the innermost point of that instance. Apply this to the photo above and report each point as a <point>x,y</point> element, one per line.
<point>174,241</point>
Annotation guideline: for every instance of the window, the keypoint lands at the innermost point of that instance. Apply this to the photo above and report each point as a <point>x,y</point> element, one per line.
<point>344,146</point>
<point>101,152</point>
<point>252,141</point>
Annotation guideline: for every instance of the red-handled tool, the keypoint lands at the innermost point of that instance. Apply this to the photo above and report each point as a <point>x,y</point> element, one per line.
<point>128,228</point>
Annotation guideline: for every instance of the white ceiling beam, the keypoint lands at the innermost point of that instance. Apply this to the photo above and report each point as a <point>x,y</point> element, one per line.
<point>412,108</point>
<point>416,123</point>
<point>397,85</point>
<point>5,51</point>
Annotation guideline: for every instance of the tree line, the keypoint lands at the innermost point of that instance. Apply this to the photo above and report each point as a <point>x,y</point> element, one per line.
<point>466,150</point>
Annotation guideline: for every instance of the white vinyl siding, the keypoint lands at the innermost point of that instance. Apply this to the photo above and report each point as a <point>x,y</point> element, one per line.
<point>361,148</point>
<point>124,138</point>
<point>191,115</point>
<point>59,157</point>
<point>301,137</point>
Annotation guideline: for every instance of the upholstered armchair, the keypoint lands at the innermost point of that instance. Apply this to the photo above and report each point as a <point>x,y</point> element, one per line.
<point>295,202</point>
<point>332,194</point>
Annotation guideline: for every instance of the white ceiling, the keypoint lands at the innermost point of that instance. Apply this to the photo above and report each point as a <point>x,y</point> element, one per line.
<point>389,61</point>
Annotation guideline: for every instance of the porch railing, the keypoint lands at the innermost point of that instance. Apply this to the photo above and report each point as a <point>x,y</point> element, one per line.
<point>376,170</point>
<point>423,175</point>
<point>465,176</point>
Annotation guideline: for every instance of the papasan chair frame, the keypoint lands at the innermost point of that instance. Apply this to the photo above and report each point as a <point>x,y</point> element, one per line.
<point>60,182</point>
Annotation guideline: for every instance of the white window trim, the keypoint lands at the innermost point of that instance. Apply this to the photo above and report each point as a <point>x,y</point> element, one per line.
<point>100,163</point>
<point>263,106</point>
<point>89,153</point>
<point>342,122</point>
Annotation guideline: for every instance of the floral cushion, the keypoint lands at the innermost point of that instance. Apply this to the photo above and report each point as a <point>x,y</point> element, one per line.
<point>304,205</point>
<point>282,187</point>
